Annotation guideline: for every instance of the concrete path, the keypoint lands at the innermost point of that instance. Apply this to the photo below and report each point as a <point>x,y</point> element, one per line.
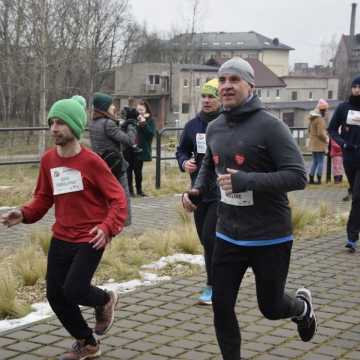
<point>163,321</point>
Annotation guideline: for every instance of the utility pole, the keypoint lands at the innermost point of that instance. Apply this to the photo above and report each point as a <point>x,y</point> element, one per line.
<point>43,68</point>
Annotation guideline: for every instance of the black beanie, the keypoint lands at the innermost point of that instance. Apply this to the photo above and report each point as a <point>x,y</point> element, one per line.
<point>356,81</point>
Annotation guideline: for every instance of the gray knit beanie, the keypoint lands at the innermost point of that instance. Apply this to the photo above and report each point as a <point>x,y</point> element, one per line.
<point>240,67</point>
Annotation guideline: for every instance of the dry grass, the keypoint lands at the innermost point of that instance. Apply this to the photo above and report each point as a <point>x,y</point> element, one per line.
<point>9,305</point>
<point>314,223</point>
<point>30,265</point>
<point>17,183</point>
<point>41,236</point>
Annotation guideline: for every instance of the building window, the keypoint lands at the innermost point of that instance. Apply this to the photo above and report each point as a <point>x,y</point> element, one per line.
<point>294,95</point>
<point>259,93</point>
<point>267,93</point>
<point>289,118</point>
<point>186,83</point>
<point>277,93</point>
<point>154,79</point>
<point>185,107</point>
<point>198,82</point>
<point>310,95</point>
<point>330,94</point>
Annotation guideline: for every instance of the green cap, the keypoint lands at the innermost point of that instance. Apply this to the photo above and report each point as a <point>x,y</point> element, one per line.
<point>72,113</point>
<point>81,100</point>
<point>102,101</point>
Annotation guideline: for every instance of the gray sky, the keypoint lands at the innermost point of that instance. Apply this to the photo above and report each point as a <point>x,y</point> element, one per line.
<point>302,24</point>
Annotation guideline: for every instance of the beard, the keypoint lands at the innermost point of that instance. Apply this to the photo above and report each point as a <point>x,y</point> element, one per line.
<point>62,140</point>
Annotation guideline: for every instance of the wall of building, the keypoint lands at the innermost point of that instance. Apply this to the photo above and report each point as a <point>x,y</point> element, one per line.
<point>276,60</point>
<point>187,92</point>
<point>310,88</point>
<point>271,94</point>
<point>130,79</point>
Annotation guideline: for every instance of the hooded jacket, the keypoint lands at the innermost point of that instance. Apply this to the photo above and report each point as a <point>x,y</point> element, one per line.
<point>346,118</point>
<point>105,134</point>
<point>269,164</point>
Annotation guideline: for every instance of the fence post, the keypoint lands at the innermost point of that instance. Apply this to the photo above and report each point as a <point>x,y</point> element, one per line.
<point>158,160</point>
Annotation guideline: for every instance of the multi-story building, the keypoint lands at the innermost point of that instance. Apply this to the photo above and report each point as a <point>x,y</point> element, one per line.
<point>347,59</point>
<point>217,46</point>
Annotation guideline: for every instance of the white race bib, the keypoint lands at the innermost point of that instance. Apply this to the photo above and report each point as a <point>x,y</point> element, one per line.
<point>238,199</point>
<point>201,143</point>
<point>66,180</point>
<point>353,118</point>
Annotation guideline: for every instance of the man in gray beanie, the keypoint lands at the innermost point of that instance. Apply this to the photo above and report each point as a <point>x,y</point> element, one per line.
<point>257,162</point>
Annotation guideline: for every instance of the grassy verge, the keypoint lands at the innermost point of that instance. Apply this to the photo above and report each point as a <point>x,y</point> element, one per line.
<point>17,182</point>
<point>22,273</point>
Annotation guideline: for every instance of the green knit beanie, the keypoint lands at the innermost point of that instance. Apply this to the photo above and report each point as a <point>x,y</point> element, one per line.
<point>72,113</point>
<point>81,100</point>
<point>102,101</point>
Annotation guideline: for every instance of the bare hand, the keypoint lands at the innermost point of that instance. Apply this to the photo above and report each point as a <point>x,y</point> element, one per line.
<point>188,205</point>
<point>224,181</point>
<point>12,218</point>
<point>141,120</point>
<point>190,166</point>
<point>100,239</point>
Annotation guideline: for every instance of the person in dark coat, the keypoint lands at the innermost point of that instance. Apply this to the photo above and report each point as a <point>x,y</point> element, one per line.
<point>189,154</point>
<point>346,118</point>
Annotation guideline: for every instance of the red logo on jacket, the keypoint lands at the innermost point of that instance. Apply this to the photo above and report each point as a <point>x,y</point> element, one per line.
<point>239,159</point>
<point>216,159</point>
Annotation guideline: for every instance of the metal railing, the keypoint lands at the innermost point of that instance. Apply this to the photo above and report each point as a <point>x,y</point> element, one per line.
<point>299,134</point>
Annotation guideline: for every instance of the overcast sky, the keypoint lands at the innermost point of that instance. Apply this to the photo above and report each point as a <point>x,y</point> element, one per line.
<point>301,24</point>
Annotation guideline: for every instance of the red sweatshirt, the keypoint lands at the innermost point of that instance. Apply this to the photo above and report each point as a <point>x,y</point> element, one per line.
<point>95,199</point>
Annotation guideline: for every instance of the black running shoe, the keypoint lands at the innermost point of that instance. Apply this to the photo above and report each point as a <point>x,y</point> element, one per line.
<point>307,325</point>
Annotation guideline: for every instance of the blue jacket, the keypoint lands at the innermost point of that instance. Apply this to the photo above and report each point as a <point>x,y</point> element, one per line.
<point>349,136</point>
<point>188,148</point>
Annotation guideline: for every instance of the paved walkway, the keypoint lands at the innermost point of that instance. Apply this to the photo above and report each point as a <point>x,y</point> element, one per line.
<point>163,322</point>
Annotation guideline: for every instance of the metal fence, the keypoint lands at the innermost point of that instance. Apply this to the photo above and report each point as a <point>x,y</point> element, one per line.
<point>299,134</point>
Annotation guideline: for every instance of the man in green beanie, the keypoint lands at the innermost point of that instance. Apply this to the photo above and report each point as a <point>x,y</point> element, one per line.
<point>90,209</point>
<point>190,154</point>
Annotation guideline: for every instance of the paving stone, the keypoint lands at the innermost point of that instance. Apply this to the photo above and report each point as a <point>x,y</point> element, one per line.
<point>170,351</point>
<point>141,346</point>
<point>150,357</point>
<point>45,339</point>
<point>191,355</point>
<point>123,354</point>
<point>6,354</point>
<point>48,351</point>
<point>6,341</point>
<point>26,357</point>
<point>23,346</point>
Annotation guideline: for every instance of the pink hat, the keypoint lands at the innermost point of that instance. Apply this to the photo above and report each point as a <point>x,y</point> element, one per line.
<point>322,104</point>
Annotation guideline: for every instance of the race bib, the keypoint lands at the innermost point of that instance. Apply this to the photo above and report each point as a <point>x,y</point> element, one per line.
<point>66,180</point>
<point>353,117</point>
<point>201,143</point>
<point>238,199</point>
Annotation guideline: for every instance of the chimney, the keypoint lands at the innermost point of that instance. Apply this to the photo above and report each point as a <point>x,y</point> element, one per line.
<point>352,23</point>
